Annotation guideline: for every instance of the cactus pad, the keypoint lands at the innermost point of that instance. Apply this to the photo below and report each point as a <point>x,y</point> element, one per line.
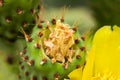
<point>17,13</point>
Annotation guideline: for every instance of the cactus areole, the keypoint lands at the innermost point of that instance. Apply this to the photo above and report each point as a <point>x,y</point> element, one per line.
<point>53,51</point>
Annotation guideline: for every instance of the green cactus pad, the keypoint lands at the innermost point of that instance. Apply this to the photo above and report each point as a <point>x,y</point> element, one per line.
<point>17,13</point>
<point>53,51</point>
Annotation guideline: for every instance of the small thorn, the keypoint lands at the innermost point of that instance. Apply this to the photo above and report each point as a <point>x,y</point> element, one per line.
<point>85,63</point>
<point>20,62</point>
<point>37,46</point>
<point>47,24</point>
<point>82,48</point>
<point>40,26</point>
<point>74,29</point>
<point>31,62</point>
<point>62,19</point>
<point>63,13</point>
<point>78,56</point>
<point>40,34</point>
<point>34,78</point>
<point>24,24</point>
<point>22,67</point>
<point>65,65</point>
<point>47,27</point>
<point>10,59</point>
<point>32,11</point>
<point>27,37</point>
<point>22,52</point>
<point>77,41</point>
<point>25,58</point>
<point>19,11</point>
<point>53,21</point>
<point>77,66</point>
<point>43,61</point>
<point>8,19</point>
<point>83,38</point>
<point>26,73</point>
<point>53,60</point>
<point>56,76</point>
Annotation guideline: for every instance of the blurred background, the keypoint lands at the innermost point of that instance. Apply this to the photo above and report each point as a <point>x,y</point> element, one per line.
<point>76,12</point>
<point>88,15</point>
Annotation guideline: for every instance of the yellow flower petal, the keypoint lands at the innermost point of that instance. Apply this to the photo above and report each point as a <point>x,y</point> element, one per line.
<point>76,74</point>
<point>104,57</point>
<point>88,70</point>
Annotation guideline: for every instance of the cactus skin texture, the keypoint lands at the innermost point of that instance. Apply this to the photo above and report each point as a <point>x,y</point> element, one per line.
<point>9,59</point>
<point>17,13</point>
<point>5,69</point>
<point>53,50</point>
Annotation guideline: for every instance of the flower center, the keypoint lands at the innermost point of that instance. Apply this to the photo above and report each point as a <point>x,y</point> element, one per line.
<point>59,43</point>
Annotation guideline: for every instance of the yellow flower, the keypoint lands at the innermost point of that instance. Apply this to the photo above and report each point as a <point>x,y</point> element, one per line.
<point>103,61</point>
<point>76,74</point>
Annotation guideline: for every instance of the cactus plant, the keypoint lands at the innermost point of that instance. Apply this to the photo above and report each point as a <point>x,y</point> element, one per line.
<point>15,14</point>
<point>53,50</point>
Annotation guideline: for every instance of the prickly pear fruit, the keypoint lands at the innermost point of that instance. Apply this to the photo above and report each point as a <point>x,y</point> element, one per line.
<point>53,50</point>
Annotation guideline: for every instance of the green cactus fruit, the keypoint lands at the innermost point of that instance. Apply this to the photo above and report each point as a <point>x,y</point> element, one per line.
<point>17,13</point>
<point>53,51</point>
